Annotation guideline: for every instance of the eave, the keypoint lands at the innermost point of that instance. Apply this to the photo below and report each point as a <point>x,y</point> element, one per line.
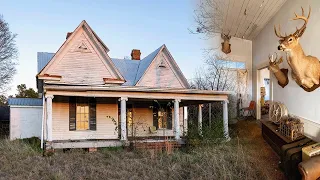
<point>49,77</point>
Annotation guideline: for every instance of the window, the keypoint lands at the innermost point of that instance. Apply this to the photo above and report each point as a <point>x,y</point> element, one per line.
<point>162,118</point>
<point>82,119</point>
<point>232,64</point>
<point>82,113</point>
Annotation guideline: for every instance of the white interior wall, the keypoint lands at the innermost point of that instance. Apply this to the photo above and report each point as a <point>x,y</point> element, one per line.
<point>299,102</point>
<point>241,50</point>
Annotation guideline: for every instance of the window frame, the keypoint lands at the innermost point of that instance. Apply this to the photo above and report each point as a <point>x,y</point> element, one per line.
<point>89,113</point>
<point>224,64</point>
<point>86,114</point>
<point>165,114</point>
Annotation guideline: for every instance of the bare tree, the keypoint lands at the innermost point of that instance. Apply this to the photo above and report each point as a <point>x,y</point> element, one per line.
<point>216,75</point>
<point>8,55</point>
<point>209,17</point>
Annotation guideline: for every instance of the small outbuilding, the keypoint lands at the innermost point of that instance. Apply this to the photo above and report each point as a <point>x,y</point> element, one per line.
<point>25,117</point>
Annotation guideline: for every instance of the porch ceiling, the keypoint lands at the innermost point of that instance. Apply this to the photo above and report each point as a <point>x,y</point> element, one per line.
<point>137,93</point>
<point>246,18</point>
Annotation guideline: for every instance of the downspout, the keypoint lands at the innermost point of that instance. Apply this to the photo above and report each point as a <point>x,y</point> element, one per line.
<point>42,123</point>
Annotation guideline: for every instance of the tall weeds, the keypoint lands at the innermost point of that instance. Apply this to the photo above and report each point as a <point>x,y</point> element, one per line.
<point>246,156</point>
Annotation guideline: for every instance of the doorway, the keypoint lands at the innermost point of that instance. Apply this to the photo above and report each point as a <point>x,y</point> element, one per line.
<point>264,92</point>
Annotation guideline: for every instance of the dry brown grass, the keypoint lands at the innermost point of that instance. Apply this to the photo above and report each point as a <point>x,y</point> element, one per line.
<point>245,157</point>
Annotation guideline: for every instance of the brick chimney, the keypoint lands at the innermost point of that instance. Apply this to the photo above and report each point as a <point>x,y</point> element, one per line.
<point>135,54</point>
<point>68,35</point>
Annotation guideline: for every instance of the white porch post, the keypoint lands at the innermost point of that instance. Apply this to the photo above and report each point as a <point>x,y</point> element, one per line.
<point>200,119</point>
<point>225,119</point>
<point>123,118</point>
<point>185,120</point>
<point>49,117</point>
<point>176,119</point>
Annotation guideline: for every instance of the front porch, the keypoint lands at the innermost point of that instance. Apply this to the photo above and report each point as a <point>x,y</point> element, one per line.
<point>116,116</point>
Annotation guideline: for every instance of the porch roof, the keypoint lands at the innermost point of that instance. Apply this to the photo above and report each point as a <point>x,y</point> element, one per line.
<point>137,92</point>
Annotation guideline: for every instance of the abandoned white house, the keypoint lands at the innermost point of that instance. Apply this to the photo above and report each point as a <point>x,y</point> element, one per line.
<point>92,100</point>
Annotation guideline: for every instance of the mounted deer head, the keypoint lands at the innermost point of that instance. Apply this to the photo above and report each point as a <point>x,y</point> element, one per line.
<point>226,46</point>
<point>280,74</point>
<point>305,69</point>
<point>290,42</point>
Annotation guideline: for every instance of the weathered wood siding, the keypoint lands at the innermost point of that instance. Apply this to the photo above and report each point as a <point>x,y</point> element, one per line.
<point>105,127</point>
<point>78,67</point>
<point>156,76</point>
<point>143,119</point>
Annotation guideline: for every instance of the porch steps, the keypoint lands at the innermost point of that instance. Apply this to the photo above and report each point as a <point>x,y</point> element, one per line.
<point>153,147</point>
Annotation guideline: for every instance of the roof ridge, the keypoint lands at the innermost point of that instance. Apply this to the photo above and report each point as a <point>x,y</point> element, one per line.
<point>150,61</point>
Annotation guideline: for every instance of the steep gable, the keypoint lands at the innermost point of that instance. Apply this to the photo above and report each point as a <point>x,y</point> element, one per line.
<point>145,63</point>
<point>162,71</point>
<point>82,59</point>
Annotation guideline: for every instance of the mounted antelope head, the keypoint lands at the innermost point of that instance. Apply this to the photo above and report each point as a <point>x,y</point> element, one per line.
<point>305,69</point>
<point>280,74</point>
<point>226,46</point>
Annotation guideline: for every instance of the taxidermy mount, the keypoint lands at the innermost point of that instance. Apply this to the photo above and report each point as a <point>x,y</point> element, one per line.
<point>280,74</point>
<point>305,69</point>
<point>226,46</point>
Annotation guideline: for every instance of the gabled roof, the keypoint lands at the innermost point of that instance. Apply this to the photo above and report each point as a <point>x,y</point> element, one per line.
<point>102,48</point>
<point>175,66</point>
<point>25,102</point>
<point>145,63</point>
<point>43,59</point>
<point>131,70</point>
<point>128,68</point>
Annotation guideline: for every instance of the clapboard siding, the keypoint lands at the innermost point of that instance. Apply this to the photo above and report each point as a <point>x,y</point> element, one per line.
<point>156,76</point>
<point>105,126</point>
<point>78,67</point>
<point>143,117</point>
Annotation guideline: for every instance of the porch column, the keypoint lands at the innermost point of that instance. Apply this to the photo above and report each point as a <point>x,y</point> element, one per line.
<point>176,119</point>
<point>123,118</point>
<point>49,117</point>
<point>185,120</point>
<point>200,118</point>
<point>225,120</point>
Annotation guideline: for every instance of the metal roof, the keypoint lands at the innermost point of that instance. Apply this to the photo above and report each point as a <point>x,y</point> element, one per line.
<point>25,102</point>
<point>128,68</point>
<point>131,70</point>
<point>145,62</point>
<point>43,59</point>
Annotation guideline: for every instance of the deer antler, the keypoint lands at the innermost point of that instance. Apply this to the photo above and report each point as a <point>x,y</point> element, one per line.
<point>300,31</point>
<point>278,33</point>
<point>275,61</point>
<point>272,59</point>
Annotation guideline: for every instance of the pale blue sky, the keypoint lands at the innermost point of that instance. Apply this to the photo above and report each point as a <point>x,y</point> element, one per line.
<point>122,25</point>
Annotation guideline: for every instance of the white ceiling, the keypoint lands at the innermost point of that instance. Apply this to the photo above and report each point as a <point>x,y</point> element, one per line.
<point>258,13</point>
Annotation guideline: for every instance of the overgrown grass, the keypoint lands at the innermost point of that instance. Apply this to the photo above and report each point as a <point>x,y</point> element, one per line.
<point>246,156</point>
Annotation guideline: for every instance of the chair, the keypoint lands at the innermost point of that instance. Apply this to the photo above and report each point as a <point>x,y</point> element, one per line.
<point>153,130</point>
<point>250,110</point>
